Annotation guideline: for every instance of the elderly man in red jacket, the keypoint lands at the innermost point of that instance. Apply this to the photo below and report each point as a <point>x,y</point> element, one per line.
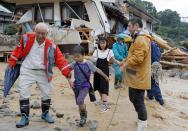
<point>38,54</point>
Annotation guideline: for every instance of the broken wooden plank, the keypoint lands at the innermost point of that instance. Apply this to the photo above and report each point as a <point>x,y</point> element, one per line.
<point>172,64</point>
<point>164,44</point>
<point>175,57</point>
<point>185,61</point>
<point>85,34</point>
<point>169,51</point>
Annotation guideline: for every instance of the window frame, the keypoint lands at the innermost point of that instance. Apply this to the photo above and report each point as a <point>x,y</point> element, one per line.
<point>43,6</point>
<point>73,3</point>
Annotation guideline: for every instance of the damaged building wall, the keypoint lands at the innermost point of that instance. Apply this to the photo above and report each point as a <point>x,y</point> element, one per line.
<point>102,15</point>
<point>7,45</point>
<point>66,20</point>
<point>5,17</point>
<point>57,13</point>
<point>64,36</point>
<point>95,22</point>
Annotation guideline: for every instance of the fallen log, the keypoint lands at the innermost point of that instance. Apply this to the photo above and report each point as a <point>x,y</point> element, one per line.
<point>185,61</point>
<point>175,57</point>
<point>169,51</point>
<point>172,64</point>
<point>178,55</point>
<point>164,44</point>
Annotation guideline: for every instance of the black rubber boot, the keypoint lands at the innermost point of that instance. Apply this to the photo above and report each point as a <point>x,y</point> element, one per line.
<point>45,109</point>
<point>24,108</point>
<point>83,116</point>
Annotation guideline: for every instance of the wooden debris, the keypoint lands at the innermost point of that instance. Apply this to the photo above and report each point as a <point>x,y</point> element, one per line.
<point>172,64</point>
<point>85,34</point>
<point>164,44</point>
<point>174,57</point>
<point>169,51</point>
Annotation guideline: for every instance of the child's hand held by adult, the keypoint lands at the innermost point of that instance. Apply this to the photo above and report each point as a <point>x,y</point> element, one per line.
<point>71,83</point>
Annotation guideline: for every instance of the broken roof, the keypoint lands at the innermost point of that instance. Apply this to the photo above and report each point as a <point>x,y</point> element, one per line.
<point>4,11</point>
<point>115,11</point>
<point>133,5</point>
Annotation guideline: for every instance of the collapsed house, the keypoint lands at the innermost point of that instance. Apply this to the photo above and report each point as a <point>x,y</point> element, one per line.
<point>5,47</point>
<point>72,22</point>
<point>5,17</point>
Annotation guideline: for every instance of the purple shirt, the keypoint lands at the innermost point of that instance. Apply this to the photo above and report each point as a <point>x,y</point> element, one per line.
<point>87,67</point>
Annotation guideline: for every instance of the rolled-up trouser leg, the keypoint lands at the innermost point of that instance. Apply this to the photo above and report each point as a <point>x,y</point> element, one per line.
<point>136,96</point>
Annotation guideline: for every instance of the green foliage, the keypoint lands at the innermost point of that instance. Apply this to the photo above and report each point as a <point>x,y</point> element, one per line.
<point>171,26</point>
<point>150,8</point>
<point>185,44</point>
<point>169,18</point>
<point>10,29</point>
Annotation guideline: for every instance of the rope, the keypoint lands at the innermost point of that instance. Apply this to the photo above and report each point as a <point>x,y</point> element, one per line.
<point>114,111</point>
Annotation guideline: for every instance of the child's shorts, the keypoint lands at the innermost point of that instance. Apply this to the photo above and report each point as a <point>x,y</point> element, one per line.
<point>80,94</point>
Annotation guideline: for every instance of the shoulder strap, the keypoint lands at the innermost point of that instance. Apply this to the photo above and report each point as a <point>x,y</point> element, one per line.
<point>108,53</point>
<point>97,54</point>
<point>83,73</point>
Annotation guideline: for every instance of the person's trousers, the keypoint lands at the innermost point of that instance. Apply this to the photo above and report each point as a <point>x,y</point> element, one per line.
<point>28,77</point>
<point>136,96</point>
<point>118,74</point>
<point>80,94</point>
<point>155,91</point>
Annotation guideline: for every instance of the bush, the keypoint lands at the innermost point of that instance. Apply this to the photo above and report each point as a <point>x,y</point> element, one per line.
<point>10,29</point>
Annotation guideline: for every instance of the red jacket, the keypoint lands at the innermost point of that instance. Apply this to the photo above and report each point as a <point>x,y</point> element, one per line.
<point>52,54</point>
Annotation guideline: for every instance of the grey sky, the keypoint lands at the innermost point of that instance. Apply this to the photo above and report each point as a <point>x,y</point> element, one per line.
<point>181,6</point>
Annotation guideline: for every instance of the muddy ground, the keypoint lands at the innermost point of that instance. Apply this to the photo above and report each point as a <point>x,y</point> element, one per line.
<point>173,116</point>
